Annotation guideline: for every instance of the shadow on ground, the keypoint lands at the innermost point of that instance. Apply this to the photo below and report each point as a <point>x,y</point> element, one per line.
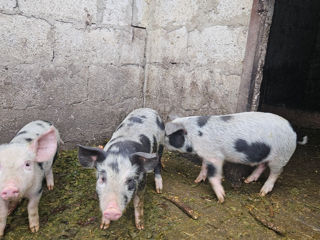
<point>71,210</point>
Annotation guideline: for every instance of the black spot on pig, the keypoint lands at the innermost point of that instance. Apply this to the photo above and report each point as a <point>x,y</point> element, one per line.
<point>125,199</point>
<point>157,169</point>
<point>143,116</point>
<point>41,187</point>
<point>155,145</point>
<point>135,120</point>
<point>226,118</point>
<point>128,147</point>
<point>50,124</point>
<point>120,126</point>
<point>200,133</point>
<point>22,132</point>
<point>145,143</point>
<point>40,124</point>
<point>40,164</point>
<point>189,149</point>
<point>202,120</point>
<point>255,152</point>
<point>131,183</point>
<point>211,170</point>
<point>114,166</point>
<point>28,139</point>
<point>142,183</point>
<point>160,123</point>
<point>177,139</point>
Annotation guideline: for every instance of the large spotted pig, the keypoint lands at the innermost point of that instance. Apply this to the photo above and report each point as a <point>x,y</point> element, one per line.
<point>134,149</point>
<point>24,162</point>
<point>252,138</point>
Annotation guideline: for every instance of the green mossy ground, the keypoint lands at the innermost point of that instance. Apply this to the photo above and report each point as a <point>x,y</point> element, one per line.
<point>71,210</point>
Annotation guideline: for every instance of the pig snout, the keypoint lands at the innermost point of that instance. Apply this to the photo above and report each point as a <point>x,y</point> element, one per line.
<point>112,211</point>
<point>9,192</point>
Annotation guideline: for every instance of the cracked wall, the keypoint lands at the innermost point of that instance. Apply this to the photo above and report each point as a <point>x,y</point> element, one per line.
<point>85,64</point>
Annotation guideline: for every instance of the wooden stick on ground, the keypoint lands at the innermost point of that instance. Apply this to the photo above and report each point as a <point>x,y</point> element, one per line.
<point>185,208</point>
<point>267,224</point>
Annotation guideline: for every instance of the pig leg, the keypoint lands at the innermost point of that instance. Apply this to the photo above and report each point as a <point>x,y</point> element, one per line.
<point>49,179</point>
<point>275,171</point>
<point>138,203</point>
<point>203,173</point>
<point>157,172</point>
<point>3,216</point>
<point>33,214</point>
<point>214,171</point>
<point>138,209</point>
<point>256,173</point>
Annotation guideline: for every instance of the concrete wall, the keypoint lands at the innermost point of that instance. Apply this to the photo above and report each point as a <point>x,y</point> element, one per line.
<point>85,64</point>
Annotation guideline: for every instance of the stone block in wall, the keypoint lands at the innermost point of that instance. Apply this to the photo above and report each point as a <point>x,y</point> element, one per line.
<point>193,14</point>
<point>63,10</point>
<point>187,90</point>
<point>99,46</point>
<point>7,4</point>
<point>117,12</point>
<point>229,12</point>
<point>170,14</point>
<point>114,85</point>
<point>24,87</point>
<point>140,13</point>
<point>217,44</point>
<point>166,46</point>
<point>24,40</point>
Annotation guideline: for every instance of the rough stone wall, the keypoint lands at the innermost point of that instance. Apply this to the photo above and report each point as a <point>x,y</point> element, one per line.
<point>85,64</point>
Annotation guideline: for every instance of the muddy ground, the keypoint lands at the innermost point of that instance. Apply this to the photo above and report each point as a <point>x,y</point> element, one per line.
<point>291,211</point>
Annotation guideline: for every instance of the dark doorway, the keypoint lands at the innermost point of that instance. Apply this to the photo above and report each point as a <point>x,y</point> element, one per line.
<point>291,75</point>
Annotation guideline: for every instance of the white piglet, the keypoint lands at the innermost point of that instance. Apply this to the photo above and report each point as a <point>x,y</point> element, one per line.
<point>24,162</point>
<point>251,138</point>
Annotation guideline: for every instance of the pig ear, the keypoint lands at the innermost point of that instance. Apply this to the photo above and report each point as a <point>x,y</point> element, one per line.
<point>172,127</point>
<point>89,156</point>
<point>45,146</point>
<point>148,161</point>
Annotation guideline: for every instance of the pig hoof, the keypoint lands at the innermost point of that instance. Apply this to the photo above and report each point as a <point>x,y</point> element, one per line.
<point>34,229</point>
<point>219,191</point>
<point>158,181</point>
<point>105,224</point>
<point>265,189</point>
<point>140,226</point>
<point>248,180</point>
<point>221,199</point>
<point>263,193</point>
<point>50,187</point>
<point>200,178</point>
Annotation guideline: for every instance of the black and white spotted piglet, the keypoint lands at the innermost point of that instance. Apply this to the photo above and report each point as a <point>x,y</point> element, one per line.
<point>24,162</point>
<point>252,138</point>
<point>134,149</point>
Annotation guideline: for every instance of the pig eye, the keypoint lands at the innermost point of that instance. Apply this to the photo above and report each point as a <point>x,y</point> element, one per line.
<point>102,179</point>
<point>27,165</point>
<point>131,184</point>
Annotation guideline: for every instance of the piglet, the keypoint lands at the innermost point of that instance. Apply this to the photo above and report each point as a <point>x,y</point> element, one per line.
<point>135,148</point>
<point>251,138</point>
<point>24,162</point>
